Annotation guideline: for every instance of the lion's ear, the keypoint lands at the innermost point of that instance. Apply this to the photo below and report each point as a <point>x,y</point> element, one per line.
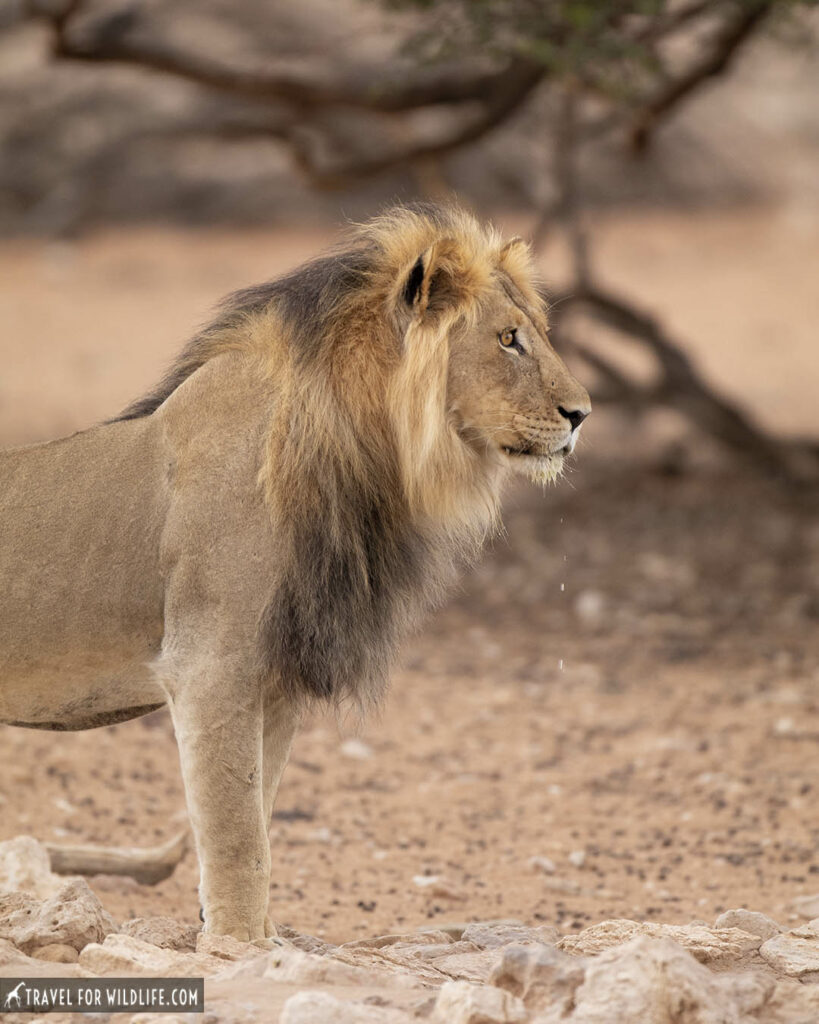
<point>515,256</point>
<point>431,285</point>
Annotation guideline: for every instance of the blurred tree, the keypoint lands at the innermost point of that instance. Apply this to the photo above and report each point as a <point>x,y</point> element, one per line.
<point>465,67</point>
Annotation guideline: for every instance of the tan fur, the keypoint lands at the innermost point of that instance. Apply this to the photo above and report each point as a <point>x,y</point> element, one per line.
<point>261,529</point>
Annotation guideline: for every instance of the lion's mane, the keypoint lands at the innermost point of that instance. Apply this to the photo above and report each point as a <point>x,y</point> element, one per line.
<point>374,498</point>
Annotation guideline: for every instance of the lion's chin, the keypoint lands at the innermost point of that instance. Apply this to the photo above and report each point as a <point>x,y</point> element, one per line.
<point>540,469</point>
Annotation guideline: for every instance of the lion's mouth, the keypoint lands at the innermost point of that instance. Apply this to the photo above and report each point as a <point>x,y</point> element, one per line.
<point>524,449</point>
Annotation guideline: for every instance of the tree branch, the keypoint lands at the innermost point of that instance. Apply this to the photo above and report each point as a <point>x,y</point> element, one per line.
<point>729,40</point>
<point>515,89</point>
<point>106,42</point>
<point>682,388</point>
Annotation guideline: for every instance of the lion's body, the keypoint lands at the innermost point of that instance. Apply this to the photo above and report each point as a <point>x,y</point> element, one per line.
<point>262,529</point>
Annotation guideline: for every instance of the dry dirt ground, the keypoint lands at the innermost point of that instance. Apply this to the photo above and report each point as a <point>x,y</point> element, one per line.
<point>617,715</point>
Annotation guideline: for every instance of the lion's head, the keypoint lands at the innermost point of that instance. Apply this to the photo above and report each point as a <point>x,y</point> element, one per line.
<point>508,393</point>
<point>479,386</point>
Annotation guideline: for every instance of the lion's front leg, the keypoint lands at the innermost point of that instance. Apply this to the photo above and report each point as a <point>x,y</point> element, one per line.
<point>218,720</point>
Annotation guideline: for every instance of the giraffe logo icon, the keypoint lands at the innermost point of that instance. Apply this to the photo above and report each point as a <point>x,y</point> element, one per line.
<point>13,996</point>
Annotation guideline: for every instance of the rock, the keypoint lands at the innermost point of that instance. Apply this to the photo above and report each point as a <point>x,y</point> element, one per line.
<point>460,1002</point>
<point>794,953</point>
<point>56,953</point>
<point>577,858</point>
<point>25,867</point>
<point>307,943</point>
<point>654,981</point>
<point>72,917</point>
<point>544,864</point>
<point>124,954</point>
<point>431,938</point>
<point>295,967</point>
<point>225,947</point>
<point>792,1003</point>
<point>708,945</point>
<point>165,932</point>
<point>750,921</point>
<point>455,929</point>
<point>491,936</point>
<point>429,956</point>
<point>356,749</point>
<point>541,976</point>
<point>10,956</point>
<point>323,1008</point>
<point>807,906</point>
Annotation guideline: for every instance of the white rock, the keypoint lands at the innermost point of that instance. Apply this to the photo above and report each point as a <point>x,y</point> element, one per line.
<point>73,917</point>
<point>490,935</point>
<point>356,749</point>
<point>425,881</point>
<point>794,953</point>
<point>654,981</point>
<point>750,921</point>
<point>56,953</point>
<point>708,945</point>
<point>323,1008</point>
<point>807,906</point>
<point>25,867</point>
<point>544,864</point>
<point>165,932</point>
<point>460,1002</point>
<point>541,976</point>
<point>123,954</point>
<point>589,606</point>
<point>296,967</point>
<point>577,858</point>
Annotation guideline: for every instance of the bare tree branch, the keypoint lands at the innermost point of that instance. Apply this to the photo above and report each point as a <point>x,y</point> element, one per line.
<point>507,98</point>
<point>729,40</point>
<point>148,865</point>
<point>106,42</point>
<point>682,388</point>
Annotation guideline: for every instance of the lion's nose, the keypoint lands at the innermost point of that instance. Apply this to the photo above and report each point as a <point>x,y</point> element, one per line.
<point>574,416</point>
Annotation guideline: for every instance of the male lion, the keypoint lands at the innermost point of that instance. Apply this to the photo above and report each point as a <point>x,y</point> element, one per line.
<point>260,529</point>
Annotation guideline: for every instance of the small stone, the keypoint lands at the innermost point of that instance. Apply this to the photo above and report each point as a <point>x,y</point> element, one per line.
<point>807,906</point>
<point>544,864</point>
<point>589,606</point>
<point>460,1002</point>
<point>356,749</point>
<point>56,953</point>
<point>750,921</point>
<point>165,932</point>
<point>577,858</point>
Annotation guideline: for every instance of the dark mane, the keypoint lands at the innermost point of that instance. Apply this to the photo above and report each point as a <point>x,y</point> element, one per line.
<point>306,297</point>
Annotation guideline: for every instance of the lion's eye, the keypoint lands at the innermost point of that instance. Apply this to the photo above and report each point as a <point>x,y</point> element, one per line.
<point>508,339</point>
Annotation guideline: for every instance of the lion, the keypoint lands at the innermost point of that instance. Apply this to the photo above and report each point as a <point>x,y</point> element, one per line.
<point>260,530</point>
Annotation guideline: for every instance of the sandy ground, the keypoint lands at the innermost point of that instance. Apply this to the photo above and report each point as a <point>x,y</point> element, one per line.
<point>625,688</point>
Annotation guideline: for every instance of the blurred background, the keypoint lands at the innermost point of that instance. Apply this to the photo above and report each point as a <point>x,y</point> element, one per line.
<point>617,714</point>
